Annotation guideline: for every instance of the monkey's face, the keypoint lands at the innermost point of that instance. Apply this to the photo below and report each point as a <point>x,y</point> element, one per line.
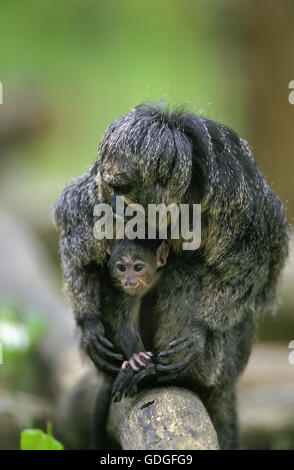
<point>117,181</point>
<point>134,274</point>
<point>144,159</point>
<point>135,268</point>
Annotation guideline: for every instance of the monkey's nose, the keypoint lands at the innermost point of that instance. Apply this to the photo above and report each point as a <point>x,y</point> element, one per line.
<point>133,284</point>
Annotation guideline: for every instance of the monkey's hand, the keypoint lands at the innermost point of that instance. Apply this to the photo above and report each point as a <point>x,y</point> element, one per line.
<point>181,353</point>
<point>136,360</point>
<point>99,348</point>
<point>126,382</point>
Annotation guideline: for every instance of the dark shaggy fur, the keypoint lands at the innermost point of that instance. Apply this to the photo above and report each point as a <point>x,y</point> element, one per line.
<point>213,295</point>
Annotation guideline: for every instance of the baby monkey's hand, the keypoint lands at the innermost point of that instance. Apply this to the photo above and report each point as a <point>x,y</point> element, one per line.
<point>136,360</point>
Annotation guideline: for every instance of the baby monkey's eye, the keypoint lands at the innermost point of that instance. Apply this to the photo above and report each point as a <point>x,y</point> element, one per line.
<point>138,267</point>
<point>121,268</point>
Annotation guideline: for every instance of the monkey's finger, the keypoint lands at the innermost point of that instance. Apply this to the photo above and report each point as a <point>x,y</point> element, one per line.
<point>100,363</point>
<point>132,386</point>
<point>177,367</point>
<point>177,349</point>
<point>150,370</point>
<point>118,390</point>
<point>133,364</point>
<point>178,341</point>
<point>105,366</point>
<point>115,388</point>
<point>121,382</point>
<point>125,364</point>
<point>101,327</point>
<point>105,341</point>
<point>146,355</point>
<point>116,394</point>
<point>116,398</point>
<point>139,361</point>
<point>107,354</point>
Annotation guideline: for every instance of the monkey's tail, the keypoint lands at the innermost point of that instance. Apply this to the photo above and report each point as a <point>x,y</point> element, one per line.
<point>100,416</point>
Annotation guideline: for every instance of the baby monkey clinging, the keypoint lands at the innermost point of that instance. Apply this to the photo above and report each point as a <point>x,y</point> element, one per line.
<point>135,270</point>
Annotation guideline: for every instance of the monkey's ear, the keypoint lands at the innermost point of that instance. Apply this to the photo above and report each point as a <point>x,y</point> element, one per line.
<point>108,250</point>
<point>162,254</point>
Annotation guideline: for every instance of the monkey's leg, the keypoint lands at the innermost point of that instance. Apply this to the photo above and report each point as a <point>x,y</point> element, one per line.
<point>132,345</point>
<point>127,379</point>
<point>221,407</point>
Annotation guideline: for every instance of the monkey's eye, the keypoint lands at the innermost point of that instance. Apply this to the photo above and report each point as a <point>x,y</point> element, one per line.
<point>139,267</point>
<point>121,268</point>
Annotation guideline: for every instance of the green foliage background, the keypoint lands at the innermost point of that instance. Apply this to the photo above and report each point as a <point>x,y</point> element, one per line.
<point>93,60</point>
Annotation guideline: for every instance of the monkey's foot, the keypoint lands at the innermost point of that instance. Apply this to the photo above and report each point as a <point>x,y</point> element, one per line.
<point>136,359</point>
<point>126,382</point>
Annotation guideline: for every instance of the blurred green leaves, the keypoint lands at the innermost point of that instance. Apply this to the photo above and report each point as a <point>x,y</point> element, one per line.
<point>19,336</point>
<point>93,61</point>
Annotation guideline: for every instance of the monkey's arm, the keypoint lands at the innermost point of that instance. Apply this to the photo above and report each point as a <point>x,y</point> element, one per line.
<point>83,288</point>
<point>125,312</point>
<point>124,309</point>
<point>83,284</point>
<point>82,276</point>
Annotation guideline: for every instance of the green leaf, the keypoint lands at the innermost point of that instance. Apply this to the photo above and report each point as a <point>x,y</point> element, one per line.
<point>35,439</point>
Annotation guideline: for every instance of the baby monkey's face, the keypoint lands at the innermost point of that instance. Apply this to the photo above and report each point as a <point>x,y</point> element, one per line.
<point>135,274</point>
<point>136,270</point>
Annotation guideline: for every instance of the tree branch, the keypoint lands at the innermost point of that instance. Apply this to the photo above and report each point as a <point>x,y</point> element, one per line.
<point>166,418</point>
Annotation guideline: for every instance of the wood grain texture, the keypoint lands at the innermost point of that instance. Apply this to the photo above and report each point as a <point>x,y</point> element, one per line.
<point>166,418</point>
